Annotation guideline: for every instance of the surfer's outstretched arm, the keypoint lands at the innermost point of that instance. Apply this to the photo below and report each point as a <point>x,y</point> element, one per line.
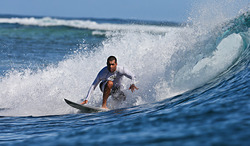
<point>92,88</point>
<point>131,76</point>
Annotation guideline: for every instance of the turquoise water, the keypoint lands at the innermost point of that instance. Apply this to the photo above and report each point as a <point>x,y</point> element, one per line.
<point>193,81</point>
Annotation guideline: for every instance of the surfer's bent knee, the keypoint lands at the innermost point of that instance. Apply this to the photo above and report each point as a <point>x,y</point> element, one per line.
<point>106,84</point>
<point>109,84</point>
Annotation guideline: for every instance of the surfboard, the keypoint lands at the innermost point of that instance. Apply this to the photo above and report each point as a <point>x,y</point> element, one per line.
<point>85,108</point>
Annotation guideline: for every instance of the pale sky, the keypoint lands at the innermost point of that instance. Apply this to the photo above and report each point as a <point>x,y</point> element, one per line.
<point>159,10</point>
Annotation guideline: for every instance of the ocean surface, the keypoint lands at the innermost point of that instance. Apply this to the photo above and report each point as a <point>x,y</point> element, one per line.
<point>193,79</point>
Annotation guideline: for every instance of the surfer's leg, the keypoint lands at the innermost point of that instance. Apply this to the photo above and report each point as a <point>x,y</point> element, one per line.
<point>106,93</point>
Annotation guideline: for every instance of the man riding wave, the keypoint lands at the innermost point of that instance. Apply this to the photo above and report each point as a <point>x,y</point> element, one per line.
<point>110,78</point>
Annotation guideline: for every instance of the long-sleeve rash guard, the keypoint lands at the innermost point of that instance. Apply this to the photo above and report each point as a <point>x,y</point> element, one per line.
<point>115,77</point>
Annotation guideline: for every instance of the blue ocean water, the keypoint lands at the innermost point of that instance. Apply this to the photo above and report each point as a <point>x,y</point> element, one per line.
<point>193,80</point>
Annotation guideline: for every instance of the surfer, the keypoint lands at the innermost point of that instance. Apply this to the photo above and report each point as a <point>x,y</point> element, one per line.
<point>110,78</point>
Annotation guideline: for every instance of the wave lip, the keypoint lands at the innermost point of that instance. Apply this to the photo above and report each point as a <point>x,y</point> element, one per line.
<point>227,51</point>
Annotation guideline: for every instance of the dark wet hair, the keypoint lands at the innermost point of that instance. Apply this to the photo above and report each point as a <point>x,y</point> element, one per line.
<point>111,58</point>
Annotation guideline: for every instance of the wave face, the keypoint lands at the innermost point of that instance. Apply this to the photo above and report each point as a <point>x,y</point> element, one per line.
<point>193,79</point>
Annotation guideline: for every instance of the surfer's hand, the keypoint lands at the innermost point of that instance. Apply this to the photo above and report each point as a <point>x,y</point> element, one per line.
<point>84,102</point>
<point>133,87</point>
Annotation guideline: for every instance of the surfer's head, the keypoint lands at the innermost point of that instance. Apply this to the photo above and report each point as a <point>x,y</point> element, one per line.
<point>111,63</point>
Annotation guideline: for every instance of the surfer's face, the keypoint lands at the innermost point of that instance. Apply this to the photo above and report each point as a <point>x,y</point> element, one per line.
<point>112,65</point>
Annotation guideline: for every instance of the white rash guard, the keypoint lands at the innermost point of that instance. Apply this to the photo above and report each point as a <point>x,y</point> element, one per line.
<point>115,77</point>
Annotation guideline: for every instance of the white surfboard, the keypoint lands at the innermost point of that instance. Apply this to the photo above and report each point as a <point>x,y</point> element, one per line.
<point>85,108</point>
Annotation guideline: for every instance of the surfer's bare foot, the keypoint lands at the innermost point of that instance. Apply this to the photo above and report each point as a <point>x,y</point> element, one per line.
<point>105,107</point>
<point>84,102</point>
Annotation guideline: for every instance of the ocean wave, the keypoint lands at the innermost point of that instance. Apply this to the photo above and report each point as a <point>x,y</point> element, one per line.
<point>83,24</point>
<point>216,51</point>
